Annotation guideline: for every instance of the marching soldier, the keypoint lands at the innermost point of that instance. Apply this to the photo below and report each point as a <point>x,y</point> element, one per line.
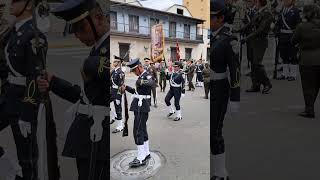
<point>259,37</point>
<point>163,79</point>
<point>206,79</point>
<point>224,51</point>
<point>117,80</point>
<point>149,66</point>
<point>199,69</point>
<point>141,107</point>
<point>176,90</point>
<point>190,73</point>
<point>250,13</point>
<point>22,99</point>
<point>288,20</point>
<point>307,36</point>
<point>87,139</point>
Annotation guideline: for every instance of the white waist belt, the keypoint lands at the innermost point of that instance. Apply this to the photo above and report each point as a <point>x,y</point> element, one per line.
<point>88,109</point>
<point>141,97</point>
<point>285,31</point>
<point>115,86</point>
<point>219,76</point>
<point>175,85</point>
<point>21,81</point>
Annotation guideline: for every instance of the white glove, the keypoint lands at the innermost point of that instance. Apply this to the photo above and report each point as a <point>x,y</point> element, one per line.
<point>97,129</point>
<point>25,128</point>
<point>167,71</point>
<point>117,102</point>
<point>9,168</point>
<point>234,107</point>
<point>182,95</point>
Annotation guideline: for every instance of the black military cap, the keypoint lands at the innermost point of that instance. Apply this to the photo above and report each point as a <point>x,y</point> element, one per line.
<point>217,7</point>
<point>74,10</point>
<point>177,64</point>
<point>117,58</point>
<point>133,63</point>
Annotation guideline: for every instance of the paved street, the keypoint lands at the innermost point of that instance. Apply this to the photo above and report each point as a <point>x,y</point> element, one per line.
<point>184,144</point>
<point>268,140</point>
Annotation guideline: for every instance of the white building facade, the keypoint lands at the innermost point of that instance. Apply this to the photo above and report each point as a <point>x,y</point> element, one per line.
<point>131,27</point>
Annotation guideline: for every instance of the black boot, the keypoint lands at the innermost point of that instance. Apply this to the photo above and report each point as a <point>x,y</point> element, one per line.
<point>170,114</point>
<point>136,163</point>
<point>219,178</point>
<point>306,114</point>
<point>267,89</point>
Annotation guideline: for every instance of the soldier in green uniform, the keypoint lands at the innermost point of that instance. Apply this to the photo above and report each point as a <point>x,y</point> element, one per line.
<point>163,72</point>
<point>307,36</point>
<point>259,38</point>
<point>206,79</point>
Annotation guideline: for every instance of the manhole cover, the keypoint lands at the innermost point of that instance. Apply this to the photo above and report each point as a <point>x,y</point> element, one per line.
<point>120,169</point>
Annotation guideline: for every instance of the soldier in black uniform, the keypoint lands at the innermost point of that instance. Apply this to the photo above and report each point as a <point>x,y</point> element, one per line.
<point>141,107</point>
<point>117,80</point>
<point>190,73</point>
<point>21,101</point>
<point>224,55</point>
<point>199,69</point>
<point>250,13</point>
<point>288,20</point>
<point>176,90</point>
<point>87,139</point>
<point>149,66</point>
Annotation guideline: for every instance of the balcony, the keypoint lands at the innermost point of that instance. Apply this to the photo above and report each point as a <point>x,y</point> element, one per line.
<point>124,30</point>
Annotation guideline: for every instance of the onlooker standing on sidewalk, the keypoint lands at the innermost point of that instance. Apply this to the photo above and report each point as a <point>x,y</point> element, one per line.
<point>206,80</point>
<point>307,36</point>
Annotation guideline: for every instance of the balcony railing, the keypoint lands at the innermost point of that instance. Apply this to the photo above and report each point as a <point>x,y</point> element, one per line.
<point>146,31</point>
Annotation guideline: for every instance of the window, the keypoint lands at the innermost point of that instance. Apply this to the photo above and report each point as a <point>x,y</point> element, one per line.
<point>173,54</point>
<point>180,11</point>
<point>172,29</point>
<point>133,23</point>
<point>186,31</point>
<point>113,20</point>
<point>188,53</point>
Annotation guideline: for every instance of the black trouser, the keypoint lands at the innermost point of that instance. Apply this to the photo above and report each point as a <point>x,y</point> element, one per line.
<point>310,79</point>
<point>259,74</point>
<point>249,52</point>
<point>176,93</point>
<point>118,107</point>
<point>190,83</point>
<point>288,52</point>
<point>206,88</point>
<point>199,77</point>
<point>163,82</point>
<point>219,103</point>
<point>154,94</point>
<point>140,132</point>
<point>100,169</point>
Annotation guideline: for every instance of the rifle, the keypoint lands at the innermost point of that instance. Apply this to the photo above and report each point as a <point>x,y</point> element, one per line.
<point>126,109</point>
<point>48,167</point>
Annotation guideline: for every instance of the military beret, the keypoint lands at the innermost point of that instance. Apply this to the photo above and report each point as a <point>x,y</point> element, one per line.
<point>217,7</point>
<point>117,58</point>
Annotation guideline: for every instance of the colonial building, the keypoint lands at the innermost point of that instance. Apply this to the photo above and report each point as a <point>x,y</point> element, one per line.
<point>131,26</point>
